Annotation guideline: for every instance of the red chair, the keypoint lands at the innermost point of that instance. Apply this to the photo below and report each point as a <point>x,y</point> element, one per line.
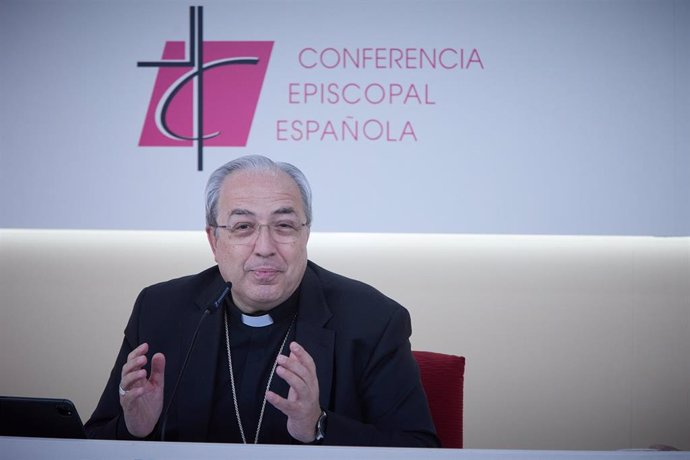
<point>443,380</point>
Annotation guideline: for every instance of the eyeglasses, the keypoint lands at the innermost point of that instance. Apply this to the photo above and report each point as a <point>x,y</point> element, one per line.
<point>282,232</point>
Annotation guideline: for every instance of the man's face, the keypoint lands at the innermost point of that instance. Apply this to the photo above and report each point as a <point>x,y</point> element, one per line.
<point>263,272</point>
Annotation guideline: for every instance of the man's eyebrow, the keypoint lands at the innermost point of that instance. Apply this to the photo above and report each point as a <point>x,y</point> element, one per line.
<point>285,210</point>
<point>246,212</point>
<point>241,212</point>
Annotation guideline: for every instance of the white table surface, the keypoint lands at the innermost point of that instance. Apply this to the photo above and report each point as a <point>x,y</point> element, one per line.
<point>16,448</point>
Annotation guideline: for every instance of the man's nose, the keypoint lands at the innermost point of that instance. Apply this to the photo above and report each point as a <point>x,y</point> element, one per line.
<point>264,245</point>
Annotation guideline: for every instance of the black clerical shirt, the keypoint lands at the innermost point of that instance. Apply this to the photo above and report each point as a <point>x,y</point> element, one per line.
<point>254,351</point>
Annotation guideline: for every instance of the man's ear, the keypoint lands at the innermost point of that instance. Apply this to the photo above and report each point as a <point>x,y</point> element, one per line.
<point>212,240</point>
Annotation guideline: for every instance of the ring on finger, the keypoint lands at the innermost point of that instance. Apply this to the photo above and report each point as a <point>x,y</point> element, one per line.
<point>121,391</point>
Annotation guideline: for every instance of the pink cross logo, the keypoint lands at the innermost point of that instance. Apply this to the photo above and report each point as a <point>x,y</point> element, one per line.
<point>209,98</point>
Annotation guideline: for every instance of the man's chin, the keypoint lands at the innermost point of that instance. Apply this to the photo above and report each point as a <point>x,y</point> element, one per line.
<point>265,297</point>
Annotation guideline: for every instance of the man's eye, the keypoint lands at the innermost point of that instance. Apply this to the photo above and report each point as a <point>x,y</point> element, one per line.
<point>242,227</point>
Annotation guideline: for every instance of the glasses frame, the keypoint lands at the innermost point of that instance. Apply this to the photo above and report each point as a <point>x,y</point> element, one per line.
<point>255,236</point>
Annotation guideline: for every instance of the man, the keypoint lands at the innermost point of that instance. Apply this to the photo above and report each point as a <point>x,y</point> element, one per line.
<point>296,354</point>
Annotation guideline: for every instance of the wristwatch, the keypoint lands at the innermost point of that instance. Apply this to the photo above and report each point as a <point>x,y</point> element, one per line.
<point>320,429</point>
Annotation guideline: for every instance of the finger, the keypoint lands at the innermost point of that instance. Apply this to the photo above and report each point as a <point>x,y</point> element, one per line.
<point>297,366</point>
<point>131,395</point>
<point>136,359</point>
<point>128,400</point>
<point>133,371</point>
<point>302,417</point>
<point>133,379</point>
<point>138,351</point>
<point>302,356</point>
<point>137,363</point>
<point>157,369</point>
<point>297,382</point>
<point>280,403</point>
<point>293,364</point>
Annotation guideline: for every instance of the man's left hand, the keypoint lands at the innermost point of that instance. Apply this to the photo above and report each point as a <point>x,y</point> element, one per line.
<point>302,404</point>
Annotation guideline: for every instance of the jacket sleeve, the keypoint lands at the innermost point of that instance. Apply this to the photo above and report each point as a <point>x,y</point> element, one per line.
<point>394,408</point>
<point>107,420</point>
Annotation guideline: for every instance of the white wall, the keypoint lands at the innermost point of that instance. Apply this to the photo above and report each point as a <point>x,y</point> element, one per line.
<point>577,121</point>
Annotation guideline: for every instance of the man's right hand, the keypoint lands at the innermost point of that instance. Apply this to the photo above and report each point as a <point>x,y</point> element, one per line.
<point>142,402</point>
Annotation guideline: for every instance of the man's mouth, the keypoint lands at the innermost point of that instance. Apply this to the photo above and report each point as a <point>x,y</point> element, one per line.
<point>265,273</point>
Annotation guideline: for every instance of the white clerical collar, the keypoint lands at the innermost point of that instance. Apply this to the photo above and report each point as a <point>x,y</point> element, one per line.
<point>257,321</point>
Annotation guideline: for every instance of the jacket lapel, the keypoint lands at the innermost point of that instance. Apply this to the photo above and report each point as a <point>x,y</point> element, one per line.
<point>195,393</point>
<point>310,333</point>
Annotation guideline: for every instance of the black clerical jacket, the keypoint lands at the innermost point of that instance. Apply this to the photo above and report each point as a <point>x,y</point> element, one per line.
<point>359,339</point>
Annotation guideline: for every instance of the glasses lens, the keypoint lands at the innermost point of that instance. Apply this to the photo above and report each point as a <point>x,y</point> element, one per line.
<point>286,231</point>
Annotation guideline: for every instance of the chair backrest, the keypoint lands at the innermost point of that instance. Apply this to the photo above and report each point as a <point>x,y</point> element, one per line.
<point>443,380</point>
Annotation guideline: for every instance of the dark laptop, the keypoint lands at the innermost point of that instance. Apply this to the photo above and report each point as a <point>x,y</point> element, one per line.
<point>39,417</point>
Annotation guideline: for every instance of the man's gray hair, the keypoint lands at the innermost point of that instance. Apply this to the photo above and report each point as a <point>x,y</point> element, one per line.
<point>253,163</point>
